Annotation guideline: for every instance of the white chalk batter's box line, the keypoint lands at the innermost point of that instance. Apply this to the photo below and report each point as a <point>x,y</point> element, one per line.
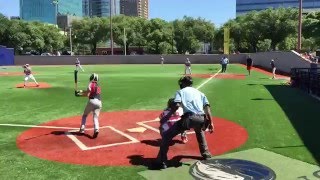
<point>83,147</point>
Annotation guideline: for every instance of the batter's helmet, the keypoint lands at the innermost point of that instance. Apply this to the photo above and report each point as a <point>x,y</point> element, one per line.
<point>185,81</point>
<point>94,77</point>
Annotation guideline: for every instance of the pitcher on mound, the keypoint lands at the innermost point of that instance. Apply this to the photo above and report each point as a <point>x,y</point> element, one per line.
<point>28,75</point>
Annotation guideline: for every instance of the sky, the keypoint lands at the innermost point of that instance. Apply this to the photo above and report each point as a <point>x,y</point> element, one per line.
<point>217,11</point>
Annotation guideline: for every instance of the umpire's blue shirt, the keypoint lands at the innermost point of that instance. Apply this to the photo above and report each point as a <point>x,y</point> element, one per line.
<point>192,100</point>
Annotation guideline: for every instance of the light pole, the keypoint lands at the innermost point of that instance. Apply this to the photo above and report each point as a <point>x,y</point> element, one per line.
<point>56,2</point>
<point>172,39</point>
<point>70,38</point>
<point>300,27</point>
<point>111,33</point>
<point>125,41</point>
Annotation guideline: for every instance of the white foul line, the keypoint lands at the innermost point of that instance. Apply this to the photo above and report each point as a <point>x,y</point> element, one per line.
<point>208,79</point>
<point>35,126</point>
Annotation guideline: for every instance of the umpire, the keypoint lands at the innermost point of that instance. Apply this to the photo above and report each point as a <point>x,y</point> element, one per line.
<point>197,115</point>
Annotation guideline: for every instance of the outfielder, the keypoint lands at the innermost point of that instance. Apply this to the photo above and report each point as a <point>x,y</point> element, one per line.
<point>28,75</point>
<point>78,65</point>
<point>187,67</point>
<point>94,104</point>
<point>162,60</point>
<point>274,68</point>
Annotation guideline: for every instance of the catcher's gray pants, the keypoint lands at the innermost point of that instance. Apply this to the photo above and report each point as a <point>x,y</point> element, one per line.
<point>94,106</point>
<point>193,121</point>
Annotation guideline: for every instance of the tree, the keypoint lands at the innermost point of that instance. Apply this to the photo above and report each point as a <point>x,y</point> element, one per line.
<point>278,24</point>
<point>136,30</point>
<point>311,27</point>
<point>91,31</point>
<point>253,29</point>
<point>264,45</point>
<point>159,37</point>
<point>53,40</point>
<point>289,43</point>
<point>4,25</point>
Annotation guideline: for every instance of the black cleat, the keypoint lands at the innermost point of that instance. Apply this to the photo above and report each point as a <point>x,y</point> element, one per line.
<point>95,134</point>
<point>206,156</point>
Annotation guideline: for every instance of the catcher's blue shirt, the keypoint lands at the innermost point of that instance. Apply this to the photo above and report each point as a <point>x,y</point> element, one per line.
<point>192,100</point>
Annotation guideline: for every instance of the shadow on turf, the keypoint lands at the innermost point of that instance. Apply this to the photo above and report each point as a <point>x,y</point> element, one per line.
<point>59,133</point>
<point>157,142</point>
<point>213,69</point>
<point>261,99</point>
<point>303,113</point>
<point>253,84</point>
<point>151,163</point>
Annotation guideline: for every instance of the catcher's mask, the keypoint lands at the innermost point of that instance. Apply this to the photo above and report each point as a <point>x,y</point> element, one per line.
<point>185,82</point>
<point>94,77</point>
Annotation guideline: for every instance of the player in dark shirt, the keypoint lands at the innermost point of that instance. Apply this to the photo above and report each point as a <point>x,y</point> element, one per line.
<point>249,64</point>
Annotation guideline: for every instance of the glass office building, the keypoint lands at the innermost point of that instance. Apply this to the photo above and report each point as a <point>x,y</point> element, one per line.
<point>245,6</point>
<point>46,11</point>
<point>100,8</point>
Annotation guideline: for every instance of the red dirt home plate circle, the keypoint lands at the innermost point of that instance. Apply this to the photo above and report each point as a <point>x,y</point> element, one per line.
<point>115,146</point>
<point>32,85</point>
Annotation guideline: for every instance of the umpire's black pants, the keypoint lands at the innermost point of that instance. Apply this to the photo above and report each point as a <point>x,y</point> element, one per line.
<point>224,67</point>
<point>197,122</point>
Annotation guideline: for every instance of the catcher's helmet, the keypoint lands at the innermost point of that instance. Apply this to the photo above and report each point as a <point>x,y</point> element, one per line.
<point>94,77</point>
<point>185,81</point>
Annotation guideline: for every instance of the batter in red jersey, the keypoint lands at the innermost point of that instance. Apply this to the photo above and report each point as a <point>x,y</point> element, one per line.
<point>28,75</point>
<point>94,104</point>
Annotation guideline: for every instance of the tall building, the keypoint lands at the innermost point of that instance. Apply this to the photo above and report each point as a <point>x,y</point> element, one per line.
<point>46,11</point>
<point>100,8</point>
<point>245,6</point>
<point>138,8</point>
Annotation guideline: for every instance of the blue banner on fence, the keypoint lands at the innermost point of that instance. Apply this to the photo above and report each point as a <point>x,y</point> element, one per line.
<point>6,56</point>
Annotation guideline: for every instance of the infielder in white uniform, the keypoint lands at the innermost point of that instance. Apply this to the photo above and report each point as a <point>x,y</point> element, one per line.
<point>78,65</point>
<point>28,75</point>
<point>187,67</point>
<point>162,60</point>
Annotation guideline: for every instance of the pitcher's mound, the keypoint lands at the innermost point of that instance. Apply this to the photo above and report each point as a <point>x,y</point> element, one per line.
<point>42,85</point>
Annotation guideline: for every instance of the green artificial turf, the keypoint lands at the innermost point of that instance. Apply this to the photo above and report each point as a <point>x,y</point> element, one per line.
<point>277,117</point>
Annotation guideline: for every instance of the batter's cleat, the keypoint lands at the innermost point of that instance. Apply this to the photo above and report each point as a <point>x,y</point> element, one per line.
<point>81,131</point>
<point>206,155</point>
<point>164,166</point>
<point>38,85</point>
<point>184,139</point>
<point>95,134</point>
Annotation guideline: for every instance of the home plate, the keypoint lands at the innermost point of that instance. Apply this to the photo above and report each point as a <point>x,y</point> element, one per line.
<point>137,130</point>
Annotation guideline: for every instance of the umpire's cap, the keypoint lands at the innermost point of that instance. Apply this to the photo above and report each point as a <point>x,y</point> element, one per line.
<point>185,81</point>
<point>94,77</point>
